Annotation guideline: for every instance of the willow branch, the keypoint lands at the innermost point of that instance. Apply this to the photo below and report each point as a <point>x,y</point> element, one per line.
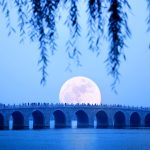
<point>116,27</point>
<point>148,18</point>
<point>74,27</point>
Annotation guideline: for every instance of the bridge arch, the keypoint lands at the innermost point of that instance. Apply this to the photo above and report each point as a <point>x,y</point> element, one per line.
<point>119,120</point>
<point>147,120</point>
<point>102,119</point>
<point>60,119</point>
<point>18,120</point>
<point>135,120</point>
<point>38,119</point>
<point>82,119</point>
<point>1,122</point>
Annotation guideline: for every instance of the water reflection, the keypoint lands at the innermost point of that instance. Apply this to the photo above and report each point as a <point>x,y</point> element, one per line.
<point>74,124</point>
<point>52,124</point>
<point>10,123</point>
<point>75,139</point>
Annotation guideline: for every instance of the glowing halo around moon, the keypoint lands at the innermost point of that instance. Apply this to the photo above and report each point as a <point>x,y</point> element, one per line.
<point>80,90</point>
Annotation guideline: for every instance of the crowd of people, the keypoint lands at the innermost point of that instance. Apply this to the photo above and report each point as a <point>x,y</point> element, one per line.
<point>71,105</point>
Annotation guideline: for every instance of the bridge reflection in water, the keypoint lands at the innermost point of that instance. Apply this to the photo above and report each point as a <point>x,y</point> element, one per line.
<point>40,116</point>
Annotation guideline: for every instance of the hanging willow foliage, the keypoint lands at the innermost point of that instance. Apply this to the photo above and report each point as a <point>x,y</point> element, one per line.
<point>95,24</point>
<point>22,16</point>
<point>148,18</point>
<point>74,27</point>
<point>38,19</point>
<point>117,32</point>
<point>6,11</point>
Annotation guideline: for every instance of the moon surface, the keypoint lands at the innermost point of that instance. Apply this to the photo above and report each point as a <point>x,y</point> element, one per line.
<point>80,90</point>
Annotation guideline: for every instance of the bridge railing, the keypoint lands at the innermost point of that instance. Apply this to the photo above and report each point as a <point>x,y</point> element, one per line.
<point>111,106</point>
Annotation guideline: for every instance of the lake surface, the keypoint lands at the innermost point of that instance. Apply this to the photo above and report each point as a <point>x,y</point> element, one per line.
<point>76,139</point>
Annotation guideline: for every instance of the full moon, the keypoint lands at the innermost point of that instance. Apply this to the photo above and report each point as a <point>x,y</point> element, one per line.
<point>80,90</point>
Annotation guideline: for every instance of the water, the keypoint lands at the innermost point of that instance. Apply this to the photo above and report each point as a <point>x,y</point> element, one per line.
<point>75,139</point>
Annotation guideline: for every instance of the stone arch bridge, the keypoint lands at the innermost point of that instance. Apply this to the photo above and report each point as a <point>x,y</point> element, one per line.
<point>63,115</point>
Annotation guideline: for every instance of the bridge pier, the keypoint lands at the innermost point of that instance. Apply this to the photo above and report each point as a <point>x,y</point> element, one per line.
<point>46,121</point>
<point>142,116</point>
<point>26,121</point>
<point>110,120</point>
<point>127,119</point>
<point>91,122</point>
<point>68,120</point>
<point>68,123</point>
<point>6,122</point>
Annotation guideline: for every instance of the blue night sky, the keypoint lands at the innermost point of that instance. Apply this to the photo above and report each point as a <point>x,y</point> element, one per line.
<point>20,78</point>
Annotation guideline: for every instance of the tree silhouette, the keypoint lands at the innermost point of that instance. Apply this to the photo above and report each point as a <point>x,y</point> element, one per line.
<point>38,18</point>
